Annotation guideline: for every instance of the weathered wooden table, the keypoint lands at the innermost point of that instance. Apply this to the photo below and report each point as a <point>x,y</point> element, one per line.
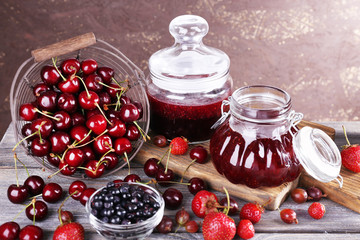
<point>338,222</point>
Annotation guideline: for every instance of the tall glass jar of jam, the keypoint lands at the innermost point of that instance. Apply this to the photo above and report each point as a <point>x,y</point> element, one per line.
<point>188,82</point>
<point>257,143</point>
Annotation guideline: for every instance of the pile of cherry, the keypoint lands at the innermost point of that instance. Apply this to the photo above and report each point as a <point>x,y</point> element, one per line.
<point>81,118</point>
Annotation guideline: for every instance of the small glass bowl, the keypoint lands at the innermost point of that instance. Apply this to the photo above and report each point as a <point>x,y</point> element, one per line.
<point>28,75</point>
<point>132,231</point>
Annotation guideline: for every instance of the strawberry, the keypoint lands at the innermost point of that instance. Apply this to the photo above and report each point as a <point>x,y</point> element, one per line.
<point>203,203</point>
<point>245,229</point>
<point>69,231</point>
<point>316,210</point>
<point>252,212</point>
<point>350,155</point>
<point>218,226</point>
<point>179,146</point>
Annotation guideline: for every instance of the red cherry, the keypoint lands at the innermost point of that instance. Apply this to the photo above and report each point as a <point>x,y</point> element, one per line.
<point>94,169</point>
<point>74,157</point>
<point>49,75</point>
<point>9,231</point>
<point>71,85</point>
<point>78,186</point>
<point>88,153</point>
<point>17,194</point>
<point>26,131</point>
<point>97,123</point>
<point>102,144</point>
<point>70,66</point>
<point>129,113</point>
<point>125,100</point>
<point>66,170</point>
<point>53,159</point>
<point>41,211</point>
<point>111,160</point>
<point>159,141</point>
<point>113,90</point>
<point>132,132</point>
<point>66,217</point>
<point>39,88</point>
<point>31,232</point>
<point>196,185</point>
<point>93,82</point>
<point>104,99</point>
<point>47,101</point>
<point>63,122</point>
<point>88,102</point>
<point>117,129</point>
<point>162,176</point>
<point>233,204</point>
<point>59,141</point>
<point>151,166</point>
<point>77,119</point>
<point>80,133</point>
<point>44,124</point>
<point>90,113</point>
<point>132,178</point>
<point>139,107</point>
<point>173,198</point>
<point>52,192</point>
<point>27,111</point>
<point>89,66</point>
<point>35,184</point>
<point>106,74</point>
<point>199,153</point>
<point>67,102</point>
<point>40,148</point>
<point>122,145</point>
<point>86,194</point>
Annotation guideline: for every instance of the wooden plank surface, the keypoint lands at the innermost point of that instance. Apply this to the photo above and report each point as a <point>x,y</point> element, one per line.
<point>338,222</point>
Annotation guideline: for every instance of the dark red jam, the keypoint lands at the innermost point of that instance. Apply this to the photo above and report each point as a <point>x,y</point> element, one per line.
<point>174,120</point>
<point>255,163</point>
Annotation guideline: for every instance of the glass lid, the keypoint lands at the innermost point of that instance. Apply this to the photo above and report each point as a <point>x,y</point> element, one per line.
<point>318,154</point>
<point>189,61</point>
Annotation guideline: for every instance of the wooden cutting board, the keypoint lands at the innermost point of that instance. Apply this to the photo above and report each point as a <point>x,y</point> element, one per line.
<point>272,197</point>
<point>348,195</point>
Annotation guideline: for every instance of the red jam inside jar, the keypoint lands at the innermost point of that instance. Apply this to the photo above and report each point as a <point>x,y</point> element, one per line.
<point>175,120</point>
<point>254,146</point>
<point>187,83</point>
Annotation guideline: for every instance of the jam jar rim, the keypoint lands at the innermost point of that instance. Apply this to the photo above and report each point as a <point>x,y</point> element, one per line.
<point>251,114</point>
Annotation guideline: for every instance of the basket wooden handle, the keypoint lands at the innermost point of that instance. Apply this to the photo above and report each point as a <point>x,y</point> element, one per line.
<point>63,47</point>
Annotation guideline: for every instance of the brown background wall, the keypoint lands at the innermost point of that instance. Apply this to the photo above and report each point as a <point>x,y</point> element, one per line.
<point>308,48</point>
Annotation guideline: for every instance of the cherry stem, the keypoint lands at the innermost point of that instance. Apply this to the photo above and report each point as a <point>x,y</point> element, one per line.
<point>82,81</point>
<point>142,132</point>
<point>104,84</point>
<point>62,204</point>
<point>181,183</point>
<point>167,160</point>
<point>79,146</point>
<point>128,162</point>
<point>32,202</point>
<point>118,83</point>
<point>226,211</point>
<point>54,63</point>
<point>34,133</point>
<point>97,105</point>
<point>346,137</point>
<point>16,158</point>
<point>182,177</point>
<point>39,195</point>
<point>88,134</point>
<point>16,171</point>
<point>46,114</point>
<point>118,97</point>
<point>50,176</point>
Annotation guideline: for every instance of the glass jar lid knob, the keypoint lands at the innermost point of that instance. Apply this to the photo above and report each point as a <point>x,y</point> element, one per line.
<point>188,29</point>
<point>318,154</point>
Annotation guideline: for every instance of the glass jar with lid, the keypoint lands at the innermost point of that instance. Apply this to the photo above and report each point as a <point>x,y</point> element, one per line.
<point>188,82</point>
<point>257,143</point>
